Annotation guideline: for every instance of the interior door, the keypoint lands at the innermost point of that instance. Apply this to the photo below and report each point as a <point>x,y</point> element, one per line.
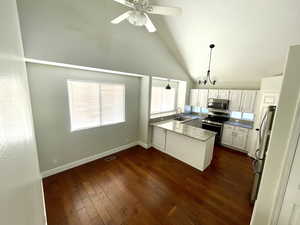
<point>290,212</point>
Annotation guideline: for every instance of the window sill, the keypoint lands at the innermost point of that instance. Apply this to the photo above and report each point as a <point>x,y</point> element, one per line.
<point>96,126</point>
<point>157,115</point>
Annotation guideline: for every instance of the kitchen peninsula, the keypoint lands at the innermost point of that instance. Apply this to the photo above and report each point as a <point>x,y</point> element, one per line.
<point>189,144</point>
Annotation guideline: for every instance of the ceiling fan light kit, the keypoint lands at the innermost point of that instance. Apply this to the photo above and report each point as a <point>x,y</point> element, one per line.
<point>208,79</point>
<point>138,16</point>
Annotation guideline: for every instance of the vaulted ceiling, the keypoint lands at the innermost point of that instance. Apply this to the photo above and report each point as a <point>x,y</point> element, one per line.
<point>251,37</point>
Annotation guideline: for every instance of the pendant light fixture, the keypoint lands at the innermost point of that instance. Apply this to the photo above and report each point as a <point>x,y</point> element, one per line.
<point>168,87</point>
<point>208,80</point>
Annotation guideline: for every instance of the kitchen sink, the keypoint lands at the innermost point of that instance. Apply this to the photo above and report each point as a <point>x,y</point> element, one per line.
<point>181,118</point>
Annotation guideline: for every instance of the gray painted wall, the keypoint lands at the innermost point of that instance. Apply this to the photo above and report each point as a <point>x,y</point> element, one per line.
<point>56,144</point>
<point>80,33</point>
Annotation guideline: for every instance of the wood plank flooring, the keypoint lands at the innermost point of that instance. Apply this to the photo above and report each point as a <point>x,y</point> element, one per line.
<point>147,187</point>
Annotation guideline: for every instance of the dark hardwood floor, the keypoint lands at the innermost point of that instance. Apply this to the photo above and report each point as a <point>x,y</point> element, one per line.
<point>147,187</point>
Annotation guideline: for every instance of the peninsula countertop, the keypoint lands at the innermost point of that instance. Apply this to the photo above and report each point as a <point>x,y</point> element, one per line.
<point>184,129</point>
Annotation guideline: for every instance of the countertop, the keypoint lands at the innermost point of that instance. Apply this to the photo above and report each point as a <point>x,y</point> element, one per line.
<point>187,130</point>
<point>238,124</point>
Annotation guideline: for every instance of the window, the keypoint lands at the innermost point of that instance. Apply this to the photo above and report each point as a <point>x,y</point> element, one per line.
<point>162,99</point>
<point>95,104</point>
<point>204,110</point>
<point>243,116</point>
<point>248,116</point>
<point>236,115</point>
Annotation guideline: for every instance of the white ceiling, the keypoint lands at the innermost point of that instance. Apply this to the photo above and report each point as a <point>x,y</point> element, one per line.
<point>251,37</point>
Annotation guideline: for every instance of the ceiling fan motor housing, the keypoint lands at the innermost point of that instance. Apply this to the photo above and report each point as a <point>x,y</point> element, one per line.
<point>137,18</point>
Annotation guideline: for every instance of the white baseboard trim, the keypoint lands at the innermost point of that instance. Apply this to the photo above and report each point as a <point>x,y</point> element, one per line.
<point>144,145</point>
<point>71,165</point>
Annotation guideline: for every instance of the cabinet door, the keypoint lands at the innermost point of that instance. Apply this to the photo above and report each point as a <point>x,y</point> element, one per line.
<point>227,135</point>
<point>223,94</point>
<point>159,138</point>
<point>239,139</point>
<point>248,101</point>
<point>203,95</point>
<point>194,93</point>
<point>235,97</point>
<point>213,93</point>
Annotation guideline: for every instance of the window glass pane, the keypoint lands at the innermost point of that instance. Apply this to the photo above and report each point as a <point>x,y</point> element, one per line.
<point>84,104</point>
<point>204,110</point>
<point>112,99</point>
<point>156,100</point>
<point>162,100</point>
<point>168,100</point>
<point>196,109</point>
<point>248,116</point>
<point>236,115</point>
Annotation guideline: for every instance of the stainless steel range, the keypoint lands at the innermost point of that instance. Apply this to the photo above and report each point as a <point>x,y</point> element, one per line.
<point>214,122</point>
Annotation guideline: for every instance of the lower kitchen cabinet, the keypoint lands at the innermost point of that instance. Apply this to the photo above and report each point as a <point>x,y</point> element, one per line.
<point>235,137</point>
<point>159,138</point>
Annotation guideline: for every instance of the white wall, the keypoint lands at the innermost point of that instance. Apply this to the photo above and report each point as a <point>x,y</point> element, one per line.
<point>271,83</point>
<point>284,118</point>
<point>145,94</point>
<point>21,198</point>
<point>80,33</point>
<point>58,146</point>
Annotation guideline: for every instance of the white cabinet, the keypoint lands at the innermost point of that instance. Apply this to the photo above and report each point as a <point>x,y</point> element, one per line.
<point>235,137</point>
<point>235,97</point>
<point>239,139</point>
<point>213,93</point>
<point>223,94</point>
<point>227,135</point>
<point>241,101</point>
<point>159,138</point>
<point>248,101</point>
<point>194,97</point>
<point>203,95</point>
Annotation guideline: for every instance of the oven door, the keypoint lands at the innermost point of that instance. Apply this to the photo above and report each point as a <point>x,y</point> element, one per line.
<point>213,127</point>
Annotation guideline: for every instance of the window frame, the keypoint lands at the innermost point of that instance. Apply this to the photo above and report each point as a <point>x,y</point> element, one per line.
<point>100,115</point>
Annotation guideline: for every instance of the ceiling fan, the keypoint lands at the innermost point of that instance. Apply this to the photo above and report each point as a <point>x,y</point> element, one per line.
<point>138,16</point>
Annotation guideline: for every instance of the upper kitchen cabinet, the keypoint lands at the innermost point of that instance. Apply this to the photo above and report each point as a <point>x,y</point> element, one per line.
<point>203,94</point>
<point>235,98</point>
<point>223,94</point>
<point>194,97</point>
<point>213,93</point>
<point>248,101</point>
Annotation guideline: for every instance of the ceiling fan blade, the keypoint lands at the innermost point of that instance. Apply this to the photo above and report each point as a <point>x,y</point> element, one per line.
<point>149,25</point>
<point>164,10</point>
<point>124,2</point>
<point>120,18</point>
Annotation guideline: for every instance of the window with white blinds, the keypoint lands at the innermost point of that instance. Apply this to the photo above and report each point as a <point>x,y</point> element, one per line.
<point>162,99</point>
<point>94,104</point>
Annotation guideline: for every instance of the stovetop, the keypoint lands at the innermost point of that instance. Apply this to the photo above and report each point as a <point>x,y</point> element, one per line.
<point>218,120</point>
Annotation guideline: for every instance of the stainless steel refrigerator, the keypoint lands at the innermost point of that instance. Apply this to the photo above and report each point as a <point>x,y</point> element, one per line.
<point>264,132</point>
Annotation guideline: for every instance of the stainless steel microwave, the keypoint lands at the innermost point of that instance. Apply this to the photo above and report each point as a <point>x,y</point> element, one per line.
<point>221,104</point>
